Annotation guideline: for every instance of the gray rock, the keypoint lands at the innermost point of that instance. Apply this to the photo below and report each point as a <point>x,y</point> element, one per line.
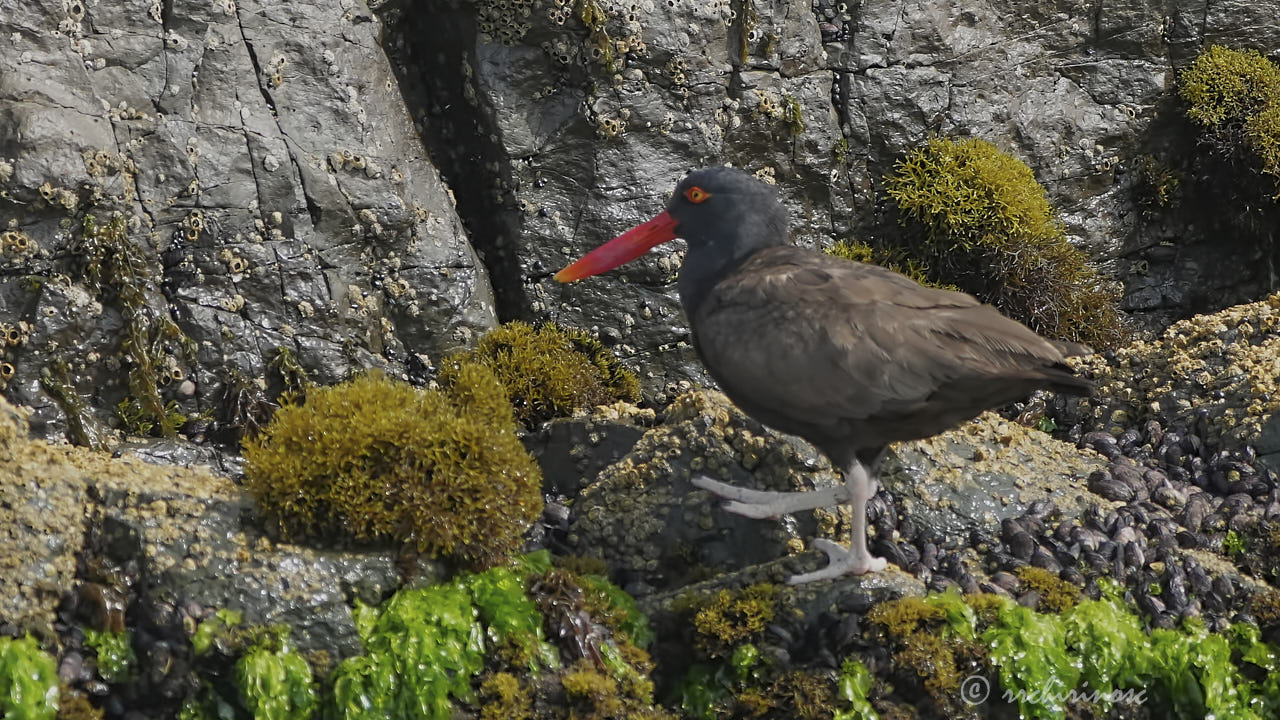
<point>572,451</point>
<point>273,187</point>
<point>183,529</point>
<point>644,518</point>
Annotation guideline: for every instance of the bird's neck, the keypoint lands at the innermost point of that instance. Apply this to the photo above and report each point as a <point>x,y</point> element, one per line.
<point>703,267</point>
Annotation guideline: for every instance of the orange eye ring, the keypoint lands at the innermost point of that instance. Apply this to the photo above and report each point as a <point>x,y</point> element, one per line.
<point>696,195</point>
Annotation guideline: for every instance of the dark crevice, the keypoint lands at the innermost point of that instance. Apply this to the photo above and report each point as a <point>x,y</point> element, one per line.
<point>432,50</point>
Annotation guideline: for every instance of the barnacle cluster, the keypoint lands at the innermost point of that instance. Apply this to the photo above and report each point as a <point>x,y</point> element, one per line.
<point>1222,367</point>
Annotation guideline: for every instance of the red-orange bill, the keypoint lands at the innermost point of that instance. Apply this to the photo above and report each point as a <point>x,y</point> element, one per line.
<point>623,249</point>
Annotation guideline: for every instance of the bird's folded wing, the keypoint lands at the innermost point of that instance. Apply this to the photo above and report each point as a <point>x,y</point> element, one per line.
<point>852,341</point>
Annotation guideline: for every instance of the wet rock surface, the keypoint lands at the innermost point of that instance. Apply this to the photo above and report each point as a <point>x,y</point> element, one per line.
<point>581,128</point>
<point>274,213</point>
<point>657,531</point>
<point>114,543</point>
<point>272,195</point>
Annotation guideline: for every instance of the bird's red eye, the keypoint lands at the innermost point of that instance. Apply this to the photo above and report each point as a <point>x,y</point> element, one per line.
<point>696,194</point>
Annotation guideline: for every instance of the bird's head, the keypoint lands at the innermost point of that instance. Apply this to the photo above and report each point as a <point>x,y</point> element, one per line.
<point>717,210</point>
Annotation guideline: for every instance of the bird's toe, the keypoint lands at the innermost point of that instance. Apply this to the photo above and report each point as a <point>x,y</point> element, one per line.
<point>843,562</point>
<point>874,565</point>
<point>751,510</point>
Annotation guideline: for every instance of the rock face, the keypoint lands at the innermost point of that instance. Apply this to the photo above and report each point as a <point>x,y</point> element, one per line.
<point>275,193</point>
<point>200,203</point>
<point>586,114</point>
<point>272,190</point>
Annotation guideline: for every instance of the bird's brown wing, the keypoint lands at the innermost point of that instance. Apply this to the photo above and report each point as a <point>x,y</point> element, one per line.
<point>825,341</point>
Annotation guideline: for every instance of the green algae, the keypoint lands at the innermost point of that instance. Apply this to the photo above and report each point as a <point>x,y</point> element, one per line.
<point>28,680</point>
<point>116,659</point>
<point>424,646</point>
<point>853,687</point>
<point>274,681</point>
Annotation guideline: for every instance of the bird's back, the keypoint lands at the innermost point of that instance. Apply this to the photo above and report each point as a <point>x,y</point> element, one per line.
<point>852,356</point>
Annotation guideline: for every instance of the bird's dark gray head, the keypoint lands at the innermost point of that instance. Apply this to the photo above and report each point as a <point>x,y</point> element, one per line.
<point>729,209</point>
<point>725,215</point>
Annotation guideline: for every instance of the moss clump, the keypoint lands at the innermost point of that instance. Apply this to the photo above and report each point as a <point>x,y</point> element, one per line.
<point>978,219</point>
<point>375,459</point>
<point>935,644</point>
<point>591,694</point>
<point>726,618</point>
<point>748,685</point>
<point>808,695</point>
<point>894,259</point>
<point>596,695</point>
<point>985,605</point>
<point>549,371</point>
<point>903,617</point>
<point>1234,95</point>
<point>502,698</point>
<point>1056,594</point>
<point>28,680</point>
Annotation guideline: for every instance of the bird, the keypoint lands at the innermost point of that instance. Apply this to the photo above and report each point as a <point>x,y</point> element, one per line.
<point>848,356</point>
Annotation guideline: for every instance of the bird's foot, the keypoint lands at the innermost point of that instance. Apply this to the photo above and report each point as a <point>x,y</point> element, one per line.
<point>843,562</point>
<point>766,503</point>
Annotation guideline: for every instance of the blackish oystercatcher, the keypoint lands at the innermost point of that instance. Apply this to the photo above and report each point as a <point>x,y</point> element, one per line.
<point>848,356</point>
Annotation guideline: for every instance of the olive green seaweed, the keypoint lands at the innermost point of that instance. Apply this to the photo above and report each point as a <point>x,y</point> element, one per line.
<point>976,218</point>
<point>1234,96</point>
<point>549,371</point>
<point>374,459</point>
<point>114,263</point>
